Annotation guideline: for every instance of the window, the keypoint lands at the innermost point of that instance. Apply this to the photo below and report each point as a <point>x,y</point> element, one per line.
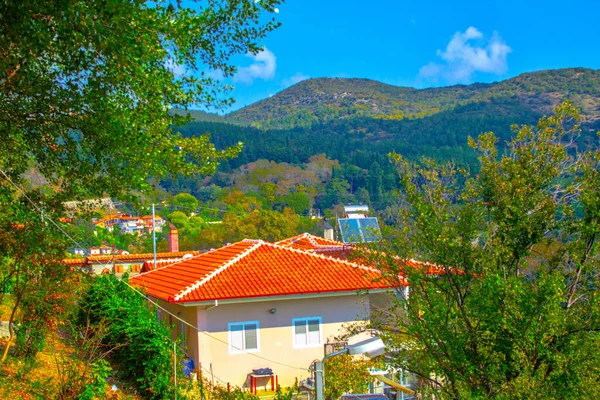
<point>307,332</point>
<point>243,337</point>
<point>181,327</point>
<point>182,332</point>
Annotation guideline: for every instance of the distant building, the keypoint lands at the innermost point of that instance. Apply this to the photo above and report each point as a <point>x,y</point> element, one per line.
<point>118,264</point>
<point>78,251</point>
<point>127,223</point>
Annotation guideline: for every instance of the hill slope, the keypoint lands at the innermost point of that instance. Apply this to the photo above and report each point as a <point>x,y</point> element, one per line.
<point>322,100</point>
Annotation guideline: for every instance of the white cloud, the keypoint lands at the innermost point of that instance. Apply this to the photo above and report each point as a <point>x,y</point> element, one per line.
<point>297,77</point>
<point>466,54</point>
<point>263,67</point>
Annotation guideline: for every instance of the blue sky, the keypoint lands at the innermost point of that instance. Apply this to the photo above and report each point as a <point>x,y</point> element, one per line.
<point>419,43</point>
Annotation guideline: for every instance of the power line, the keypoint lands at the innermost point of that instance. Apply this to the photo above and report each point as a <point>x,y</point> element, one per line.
<point>38,208</point>
<point>144,295</point>
<point>209,335</point>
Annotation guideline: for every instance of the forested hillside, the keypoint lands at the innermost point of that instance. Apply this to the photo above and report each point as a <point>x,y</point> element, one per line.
<point>354,142</point>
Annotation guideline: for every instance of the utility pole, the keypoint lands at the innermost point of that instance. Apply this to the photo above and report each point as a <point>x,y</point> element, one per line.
<point>154,234</point>
<point>174,356</point>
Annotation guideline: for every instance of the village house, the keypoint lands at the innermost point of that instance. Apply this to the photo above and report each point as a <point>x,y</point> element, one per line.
<point>107,260</point>
<point>256,305</point>
<point>130,224</point>
<point>119,264</point>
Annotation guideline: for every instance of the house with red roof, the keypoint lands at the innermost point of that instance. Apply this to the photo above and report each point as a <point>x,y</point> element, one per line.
<point>254,305</point>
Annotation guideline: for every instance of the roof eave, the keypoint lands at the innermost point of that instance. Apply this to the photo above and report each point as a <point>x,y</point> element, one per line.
<point>281,297</point>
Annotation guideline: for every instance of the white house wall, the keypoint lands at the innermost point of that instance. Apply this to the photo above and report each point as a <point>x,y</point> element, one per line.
<point>275,336</point>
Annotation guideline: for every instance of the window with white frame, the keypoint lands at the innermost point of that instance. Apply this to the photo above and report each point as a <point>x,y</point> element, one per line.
<point>307,332</point>
<point>243,337</point>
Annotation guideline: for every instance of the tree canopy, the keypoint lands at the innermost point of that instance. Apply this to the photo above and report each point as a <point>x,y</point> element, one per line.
<point>86,86</point>
<point>85,93</point>
<point>508,306</point>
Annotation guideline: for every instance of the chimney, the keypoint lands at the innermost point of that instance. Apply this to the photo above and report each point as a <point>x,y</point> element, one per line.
<point>173,238</point>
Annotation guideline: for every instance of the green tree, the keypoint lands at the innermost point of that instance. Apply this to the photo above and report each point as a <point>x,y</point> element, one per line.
<point>508,307</point>
<point>347,374</point>
<point>185,202</point>
<point>268,190</point>
<point>85,93</point>
<point>179,219</point>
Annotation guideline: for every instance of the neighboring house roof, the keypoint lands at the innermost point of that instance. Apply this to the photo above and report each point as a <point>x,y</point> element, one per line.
<point>333,248</point>
<point>139,257</point>
<point>156,217</point>
<point>162,259</point>
<point>309,241</point>
<point>253,269</point>
<point>317,244</point>
<point>74,262</point>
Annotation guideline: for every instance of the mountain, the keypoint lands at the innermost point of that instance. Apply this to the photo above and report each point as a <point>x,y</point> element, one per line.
<point>321,100</point>
<point>353,124</point>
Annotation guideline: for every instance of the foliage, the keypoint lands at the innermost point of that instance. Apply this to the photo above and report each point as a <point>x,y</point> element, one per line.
<point>85,92</point>
<point>85,88</point>
<point>142,345</point>
<point>509,307</point>
<point>95,388</point>
<point>185,202</point>
<point>347,374</point>
<point>30,269</point>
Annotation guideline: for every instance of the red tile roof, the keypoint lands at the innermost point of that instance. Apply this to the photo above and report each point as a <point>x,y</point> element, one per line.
<point>318,244</point>
<point>74,261</point>
<point>156,217</point>
<point>254,268</point>
<point>139,257</point>
<point>333,248</point>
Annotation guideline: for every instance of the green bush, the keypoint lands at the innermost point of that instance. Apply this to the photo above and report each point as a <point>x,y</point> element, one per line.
<point>142,346</point>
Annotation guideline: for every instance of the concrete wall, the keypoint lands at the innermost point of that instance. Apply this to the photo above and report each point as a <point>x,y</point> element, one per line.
<point>97,268</point>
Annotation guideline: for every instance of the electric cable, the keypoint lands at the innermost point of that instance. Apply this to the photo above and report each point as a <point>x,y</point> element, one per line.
<point>146,297</point>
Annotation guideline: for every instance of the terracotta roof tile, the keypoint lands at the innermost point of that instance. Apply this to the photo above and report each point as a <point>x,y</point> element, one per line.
<point>74,261</point>
<point>256,269</point>
<point>139,257</point>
